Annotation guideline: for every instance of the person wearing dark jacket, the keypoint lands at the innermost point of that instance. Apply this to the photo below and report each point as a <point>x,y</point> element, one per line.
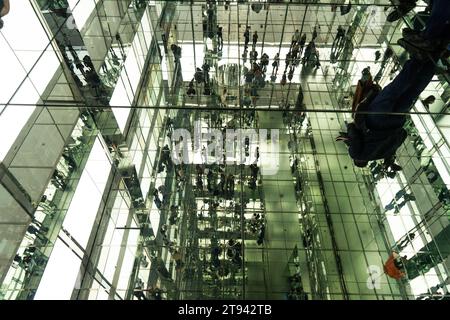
<point>247,36</point>
<point>401,10</point>
<point>374,144</point>
<point>383,131</point>
<point>255,39</point>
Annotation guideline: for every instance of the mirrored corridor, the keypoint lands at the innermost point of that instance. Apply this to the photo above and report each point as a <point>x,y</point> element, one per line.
<point>187,150</point>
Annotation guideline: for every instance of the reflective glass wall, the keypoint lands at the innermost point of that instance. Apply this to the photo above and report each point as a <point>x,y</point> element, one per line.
<point>153,160</point>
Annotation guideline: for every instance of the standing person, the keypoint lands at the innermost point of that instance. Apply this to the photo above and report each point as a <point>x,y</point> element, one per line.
<point>38,233</point>
<point>302,43</point>
<point>291,73</point>
<point>255,39</point>
<point>406,241</point>
<point>276,63</point>
<point>283,79</point>
<point>295,37</point>
<point>288,60</point>
<point>4,10</point>
<point>264,62</point>
<point>206,68</point>
<point>219,38</point>
<point>256,155</point>
<point>247,36</point>
<point>176,50</point>
<point>308,51</point>
<point>253,56</point>
<point>223,97</point>
<point>314,35</point>
<point>377,55</point>
<point>59,180</point>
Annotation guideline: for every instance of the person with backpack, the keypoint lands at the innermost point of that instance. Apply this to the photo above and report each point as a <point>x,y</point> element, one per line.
<point>219,37</point>
<point>264,62</point>
<point>255,39</point>
<point>276,63</point>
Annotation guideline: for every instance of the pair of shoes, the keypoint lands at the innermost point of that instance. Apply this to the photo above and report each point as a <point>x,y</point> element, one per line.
<point>342,138</point>
<point>408,32</point>
<point>421,51</point>
<point>413,50</point>
<point>417,39</point>
<point>401,10</point>
<point>395,167</point>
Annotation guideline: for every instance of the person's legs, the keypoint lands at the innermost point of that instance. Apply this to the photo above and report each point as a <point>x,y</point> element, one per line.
<point>438,26</point>
<point>426,73</point>
<point>403,7</point>
<point>400,94</point>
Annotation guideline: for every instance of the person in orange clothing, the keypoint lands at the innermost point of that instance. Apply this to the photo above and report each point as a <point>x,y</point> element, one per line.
<point>393,266</point>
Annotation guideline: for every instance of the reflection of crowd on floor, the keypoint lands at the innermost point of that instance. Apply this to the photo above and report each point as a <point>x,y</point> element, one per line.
<point>217,182</point>
<point>255,74</point>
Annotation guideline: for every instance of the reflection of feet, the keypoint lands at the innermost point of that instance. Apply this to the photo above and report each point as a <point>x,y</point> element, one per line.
<point>401,11</point>
<point>343,138</point>
<point>395,167</point>
<point>1,23</point>
<point>419,41</point>
<point>441,68</point>
<point>407,32</point>
<point>413,50</point>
